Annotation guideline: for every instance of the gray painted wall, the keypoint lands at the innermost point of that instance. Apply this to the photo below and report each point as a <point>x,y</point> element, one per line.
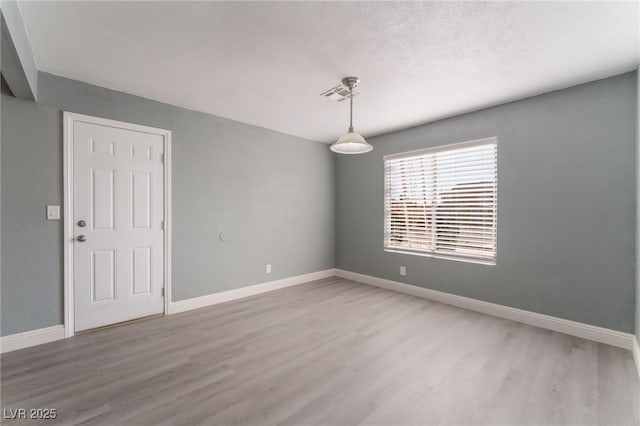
<point>566,219</point>
<point>31,290</point>
<point>271,193</point>
<point>566,205</point>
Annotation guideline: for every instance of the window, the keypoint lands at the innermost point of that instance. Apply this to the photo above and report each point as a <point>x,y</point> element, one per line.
<point>441,201</point>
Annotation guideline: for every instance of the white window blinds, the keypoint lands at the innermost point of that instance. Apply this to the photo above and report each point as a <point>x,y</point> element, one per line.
<point>443,201</point>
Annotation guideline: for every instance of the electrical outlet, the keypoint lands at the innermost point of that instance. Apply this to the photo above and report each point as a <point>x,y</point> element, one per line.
<point>403,271</point>
<point>268,269</point>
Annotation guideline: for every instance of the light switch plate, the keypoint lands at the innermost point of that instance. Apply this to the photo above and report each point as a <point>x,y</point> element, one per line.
<point>403,271</point>
<point>53,212</point>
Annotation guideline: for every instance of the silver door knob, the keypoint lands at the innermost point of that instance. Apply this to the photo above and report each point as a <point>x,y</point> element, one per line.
<point>82,238</point>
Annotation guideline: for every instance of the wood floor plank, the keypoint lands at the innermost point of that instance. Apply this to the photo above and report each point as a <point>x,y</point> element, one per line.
<point>330,352</point>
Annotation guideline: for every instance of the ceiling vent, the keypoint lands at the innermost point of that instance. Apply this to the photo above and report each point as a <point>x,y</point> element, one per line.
<point>338,93</point>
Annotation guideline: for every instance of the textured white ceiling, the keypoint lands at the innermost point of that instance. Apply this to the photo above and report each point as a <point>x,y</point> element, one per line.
<point>266,63</point>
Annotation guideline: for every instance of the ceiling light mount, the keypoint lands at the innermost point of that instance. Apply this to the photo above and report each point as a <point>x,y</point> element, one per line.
<point>351,82</point>
<point>351,142</point>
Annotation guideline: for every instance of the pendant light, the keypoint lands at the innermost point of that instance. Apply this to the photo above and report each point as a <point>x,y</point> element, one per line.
<point>351,142</point>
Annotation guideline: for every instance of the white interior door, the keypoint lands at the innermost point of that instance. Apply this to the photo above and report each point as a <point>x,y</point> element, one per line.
<point>118,205</point>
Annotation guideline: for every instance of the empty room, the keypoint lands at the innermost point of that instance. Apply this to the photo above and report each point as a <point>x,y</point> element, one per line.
<point>320,213</point>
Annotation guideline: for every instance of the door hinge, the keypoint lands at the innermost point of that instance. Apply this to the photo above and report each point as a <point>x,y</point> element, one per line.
<point>163,291</point>
<point>162,158</point>
<point>162,225</point>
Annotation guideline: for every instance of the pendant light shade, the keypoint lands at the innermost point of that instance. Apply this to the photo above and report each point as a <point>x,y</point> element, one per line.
<point>351,142</point>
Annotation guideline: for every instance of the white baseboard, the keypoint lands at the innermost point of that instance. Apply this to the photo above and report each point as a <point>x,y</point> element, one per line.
<point>17,341</point>
<point>226,296</point>
<point>573,328</point>
<point>636,354</point>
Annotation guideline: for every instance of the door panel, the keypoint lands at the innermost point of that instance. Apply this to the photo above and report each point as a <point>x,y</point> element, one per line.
<point>102,199</point>
<point>119,191</point>
<point>103,275</point>
<point>140,200</point>
<point>141,269</point>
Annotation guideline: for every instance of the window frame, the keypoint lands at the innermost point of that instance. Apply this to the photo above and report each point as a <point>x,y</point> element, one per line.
<point>435,150</point>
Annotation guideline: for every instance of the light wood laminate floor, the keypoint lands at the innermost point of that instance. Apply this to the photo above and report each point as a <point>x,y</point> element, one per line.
<point>331,352</point>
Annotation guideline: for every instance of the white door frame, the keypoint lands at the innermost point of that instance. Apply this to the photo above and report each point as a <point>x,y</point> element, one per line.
<point>69,119</point>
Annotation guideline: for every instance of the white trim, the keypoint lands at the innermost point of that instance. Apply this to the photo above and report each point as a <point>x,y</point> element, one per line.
<point>240,293</point>
<point>30,338</point>
<point>166,224</point>
<point>442,256</point>
<point>636,353</point>
<point>573,328</point>
<point>431,150</point>
<point>67,172</point>
<point>68,120</point>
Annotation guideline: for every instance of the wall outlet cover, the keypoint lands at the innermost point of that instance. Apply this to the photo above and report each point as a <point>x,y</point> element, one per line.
<point>53,212</point>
